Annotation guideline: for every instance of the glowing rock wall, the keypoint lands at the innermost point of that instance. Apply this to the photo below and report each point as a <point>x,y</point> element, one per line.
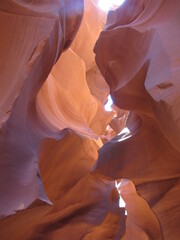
<point>57,179</point>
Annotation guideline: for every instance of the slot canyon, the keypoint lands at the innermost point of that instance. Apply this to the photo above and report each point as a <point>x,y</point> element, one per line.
<point>89,120</point>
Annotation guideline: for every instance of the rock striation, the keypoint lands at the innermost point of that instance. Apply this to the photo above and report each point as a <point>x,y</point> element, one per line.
<point>33,35</point>
<point>65,163</point>
<point>143,76</point>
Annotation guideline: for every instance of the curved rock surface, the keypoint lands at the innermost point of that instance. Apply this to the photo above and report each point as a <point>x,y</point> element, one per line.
<point>88,33</point>
<point>33,35</point>
<point>52,120</point>
<point>143,76</point>
<point>65,101</point>
<point>85,206</point>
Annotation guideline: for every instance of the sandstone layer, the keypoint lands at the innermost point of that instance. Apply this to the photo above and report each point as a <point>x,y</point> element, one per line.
<point>33,35</point>
<point>57,178</point>
<point>138,54</point>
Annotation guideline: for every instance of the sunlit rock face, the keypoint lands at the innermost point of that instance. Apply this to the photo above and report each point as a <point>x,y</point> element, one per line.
<point>92,25</point>
<point>57,179</point>
<point>65,100</point>
<point>138,54</point>
<point>97,85</point>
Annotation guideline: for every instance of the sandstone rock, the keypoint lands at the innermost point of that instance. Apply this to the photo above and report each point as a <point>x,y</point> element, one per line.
<point>97,85</point>
<point>83,206</point>
<point>138,54</point>
<point>65,101</point>
<point>33,35</point>
<point>51,110</point>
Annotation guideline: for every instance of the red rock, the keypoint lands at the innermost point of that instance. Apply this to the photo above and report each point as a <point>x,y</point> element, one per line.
<point>65,101</point>
<point>138,55</point>
<point>32,38</point>
<point>81,201</point>
<point>51,110</point>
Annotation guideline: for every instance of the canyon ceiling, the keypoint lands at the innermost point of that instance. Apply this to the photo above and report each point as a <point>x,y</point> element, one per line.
<point>65,162</point>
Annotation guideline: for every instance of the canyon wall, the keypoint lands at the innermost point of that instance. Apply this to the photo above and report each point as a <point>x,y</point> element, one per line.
<point>138,54</point>
<point>64,161</point>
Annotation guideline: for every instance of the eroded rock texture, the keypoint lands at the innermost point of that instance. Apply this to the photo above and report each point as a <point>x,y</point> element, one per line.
<point>138,54</point>
<point>57,179</point>
<point>33,35</point>
<point>85,206</point>
<point>65,101</point>
<point>78,201</point>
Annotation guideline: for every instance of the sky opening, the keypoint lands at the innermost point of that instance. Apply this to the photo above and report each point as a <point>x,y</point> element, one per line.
<point>105,5</point>
<point>108,104</point>
<point>122,204</point>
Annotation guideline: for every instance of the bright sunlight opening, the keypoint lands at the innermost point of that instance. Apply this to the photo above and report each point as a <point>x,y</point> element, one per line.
<point>108,104</point>
<point>105,5</point>
<point>122,204</point>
